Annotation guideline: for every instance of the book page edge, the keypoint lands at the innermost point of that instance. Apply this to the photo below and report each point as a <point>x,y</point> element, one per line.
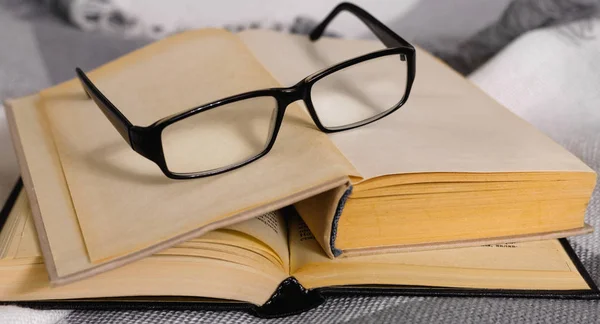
<point>586,229</point>
<point>30,191</point>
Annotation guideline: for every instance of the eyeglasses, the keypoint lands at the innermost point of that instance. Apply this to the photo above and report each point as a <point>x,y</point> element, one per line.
<point>248,123</point>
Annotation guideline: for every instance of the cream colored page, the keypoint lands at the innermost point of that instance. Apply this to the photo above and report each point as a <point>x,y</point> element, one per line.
<point>59,233</point>
<point>154,276</point>
<point>122,201</point>
<point>529,256</point>
<point>28,246</point>
<point>213,270</point>
<point>251,235</point>
<point>447,125</point>
<point>6,232</point>
<point>22,241</point>
<point>60,230</point>
<point>270,229</point>
<point>318,212</point>
<point>13,228</point>
<point>229,246</point>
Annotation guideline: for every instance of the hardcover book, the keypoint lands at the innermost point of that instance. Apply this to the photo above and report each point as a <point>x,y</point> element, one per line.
<point>272,266</point>
<point>451,168</point>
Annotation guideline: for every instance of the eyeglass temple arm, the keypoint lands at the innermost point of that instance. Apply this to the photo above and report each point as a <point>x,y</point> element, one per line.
<point>116,118</point>
<point>386,35</point>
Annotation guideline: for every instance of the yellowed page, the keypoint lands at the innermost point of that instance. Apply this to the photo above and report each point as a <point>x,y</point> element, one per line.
<point>59,233</point>
<point>122,201</point>
<point>22,279</point>
<point>28,246</point>
<point>531,265</point>
<point>270,229</point>
<point>228,246</point>
<point>63,245</point>
<point>6,232</point>
<point>21,241</point>
<point>227,272</point>
<point>318,212</point>
<point>245,241</point>
<point>447,125</point>
<point>13,228</point>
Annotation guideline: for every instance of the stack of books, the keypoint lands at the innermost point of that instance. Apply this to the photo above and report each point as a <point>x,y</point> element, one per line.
<point>451,195</point>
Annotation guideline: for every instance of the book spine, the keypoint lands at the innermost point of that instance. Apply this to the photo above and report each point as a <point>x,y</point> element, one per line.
<point>338,213</point>
<point>289,298</point>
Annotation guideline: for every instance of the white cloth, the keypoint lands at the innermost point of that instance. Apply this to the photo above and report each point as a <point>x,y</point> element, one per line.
<point>551,78</point>
<point>20,315</point>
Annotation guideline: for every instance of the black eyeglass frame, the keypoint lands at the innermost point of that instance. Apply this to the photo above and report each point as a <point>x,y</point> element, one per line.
<point>146,140</point>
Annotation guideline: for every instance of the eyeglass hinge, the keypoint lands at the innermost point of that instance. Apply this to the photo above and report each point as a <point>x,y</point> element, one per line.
<point>138,136</point>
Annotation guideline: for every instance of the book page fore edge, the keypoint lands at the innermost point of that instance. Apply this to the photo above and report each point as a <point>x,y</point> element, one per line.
<point>30,190</point>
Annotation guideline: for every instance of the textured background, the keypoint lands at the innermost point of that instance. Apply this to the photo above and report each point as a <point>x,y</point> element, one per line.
<point>549,76</point>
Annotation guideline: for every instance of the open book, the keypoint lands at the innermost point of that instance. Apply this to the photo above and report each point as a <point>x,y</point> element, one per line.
<point>273,266</point>
<point>450,168</point>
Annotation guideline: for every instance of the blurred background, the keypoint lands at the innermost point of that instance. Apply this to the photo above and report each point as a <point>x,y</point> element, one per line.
<point>465,33</point>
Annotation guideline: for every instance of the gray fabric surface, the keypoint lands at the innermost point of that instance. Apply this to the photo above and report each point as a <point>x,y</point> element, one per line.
<point>559,81</point>
<point>440,27</point>
<point>520,16</point>
<point>379,310</point>
<point>22,71</point>
<point>62,48</point>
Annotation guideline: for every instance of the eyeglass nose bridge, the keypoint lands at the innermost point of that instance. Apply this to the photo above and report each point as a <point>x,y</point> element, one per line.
<point>299,91</point>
